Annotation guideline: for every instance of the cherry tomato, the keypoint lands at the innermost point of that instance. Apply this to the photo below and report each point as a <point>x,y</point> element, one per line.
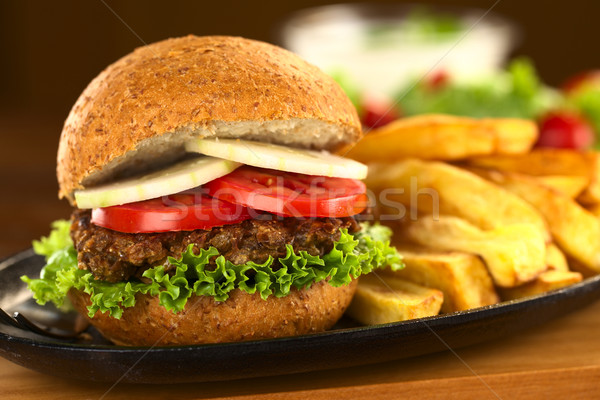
<point>437,80</point>
<point>178,212</point>
<point>565,130</point>
<point>580,81</point>
<point>290,194</point>
<point>377,113</point>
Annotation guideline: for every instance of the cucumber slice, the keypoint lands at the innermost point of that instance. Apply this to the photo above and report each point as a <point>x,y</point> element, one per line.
<point>282,158</point>
<point>179,177</point>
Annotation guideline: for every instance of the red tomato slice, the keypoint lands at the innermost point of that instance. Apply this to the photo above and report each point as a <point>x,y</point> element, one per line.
<point>290,194</point>
<point>178,212</point>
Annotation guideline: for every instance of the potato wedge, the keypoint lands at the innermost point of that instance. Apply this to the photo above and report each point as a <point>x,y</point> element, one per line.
<point>591,195</point>
<point>462,277</point>
<point>513,254</point>
<point>547,281</point>
<point>434,186</point>
<point>539,162</point>
<point>594,210</point>
<point>575,230</point>
<point>513,135</point>
<point>577,266</point>
<point>445,137</point>
<point>551,162</point>
<point>555,258</point>
<point>384,299</point>
<point>570,186</point>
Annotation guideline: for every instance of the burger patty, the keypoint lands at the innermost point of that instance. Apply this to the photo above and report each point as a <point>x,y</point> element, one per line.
<point>116,256</point>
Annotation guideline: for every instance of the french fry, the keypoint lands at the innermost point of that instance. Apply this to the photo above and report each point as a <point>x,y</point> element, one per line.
<point>445,137</point>
<point>570,186</point>
<point>496,221</point>
<point>549,162</point>
<point>594,210</point>
<point>592,193</point>
<point>539,162</point>
<point>435,186</point>
<point>513,254</point>
<point>382,300</point>
<point>547,281</point>
<point>574,229</point>
<point>462,277</point>
<point>513,136</point>
<point>555,258</point>
<point>583,269</point>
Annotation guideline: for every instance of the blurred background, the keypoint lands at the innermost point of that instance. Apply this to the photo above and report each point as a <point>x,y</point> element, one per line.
<point>51,50</point>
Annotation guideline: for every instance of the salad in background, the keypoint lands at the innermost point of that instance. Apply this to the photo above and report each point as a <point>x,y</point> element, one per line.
<point>378,52</point>
<point>568,117</point>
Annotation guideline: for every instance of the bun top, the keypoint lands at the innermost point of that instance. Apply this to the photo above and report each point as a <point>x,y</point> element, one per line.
<point>140,110</point>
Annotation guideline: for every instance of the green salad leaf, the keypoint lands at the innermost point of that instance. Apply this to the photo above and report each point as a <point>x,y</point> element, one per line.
<point>587,101</point>
<point>349,87</point>
<point>516,93</point>
<point>208,273</point>
<point>58,239</point>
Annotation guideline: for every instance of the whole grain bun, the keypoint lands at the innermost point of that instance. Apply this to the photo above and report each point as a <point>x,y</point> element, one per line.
<point>242,317</point>
<point>140,110</point>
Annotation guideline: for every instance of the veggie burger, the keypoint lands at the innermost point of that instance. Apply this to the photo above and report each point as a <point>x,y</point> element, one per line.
<point>208,205</point>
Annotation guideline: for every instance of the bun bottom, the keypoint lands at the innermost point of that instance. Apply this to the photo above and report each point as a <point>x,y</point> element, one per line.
<point>203,320</point>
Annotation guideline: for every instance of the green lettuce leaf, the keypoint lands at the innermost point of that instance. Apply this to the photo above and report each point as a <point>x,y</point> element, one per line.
<point>516,92</point>
<point>349,87</point>
<point>587,101</point>
<point>195,274</point>
<point>58,239</point>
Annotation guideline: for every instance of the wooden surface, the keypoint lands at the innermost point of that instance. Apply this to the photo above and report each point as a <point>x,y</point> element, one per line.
<point>560,359</point>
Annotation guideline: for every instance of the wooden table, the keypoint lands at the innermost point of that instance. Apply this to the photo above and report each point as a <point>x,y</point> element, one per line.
<point>560,359</point>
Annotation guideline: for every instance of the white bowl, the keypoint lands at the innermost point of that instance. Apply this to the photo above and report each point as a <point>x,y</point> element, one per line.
<point>336,38</point>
